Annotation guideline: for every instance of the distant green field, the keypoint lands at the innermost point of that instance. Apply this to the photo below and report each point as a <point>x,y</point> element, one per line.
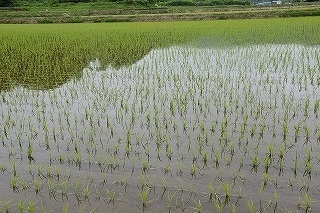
<point>46,52</point>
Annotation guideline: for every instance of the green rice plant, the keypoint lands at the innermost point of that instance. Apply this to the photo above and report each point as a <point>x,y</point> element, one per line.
<point>307,202</point>
<point>192,170</point>
<point>198,207</point>
<point>151,184</point>
<point>265,180</point>
<point>306,107</point>
<point>65,208</point>
<point>14,183</point>
<point>145,167</point>
<point>308,168</point>
<point>29,153</point>
<point>205,158</point>
<point>276,196</point>
<point>6,206</point>
<point>251,207</point>
<point>255,163</point>
<point>20,206</point>
<point>218,205</point>
<point>296,132</point>
<point>233,208</point>
<point>281,165</point>
<point>77,188</point>
<point>144,196</point>
<point>227,192</point>
<point>86,191</point>
<point>124,182</point>
<point>299,204</point>
<point>213,127</point>
<point>31,207</point>
<point>48,172</point>
<point>217,156</point>
<point>194,156</point>
<point>51,188</point>
<point>316,108</point>
<point>166,168</point>
<point>180,169</point>
<point>36,186</point>
<point>170,199</point>
<point>14,168</point>
<point>232,149</point>
<point>285,131</point>
<point>24,184</point>
<point>267,163</point>
<point>261,129</point>
<point>290,183</point>
<point>281,153</point>
<point>308,152</point>
<point>169,153</point>
<point>64,189</point>
<point>295,164</point>
<point>3,168</point>
<point>307,132</point>
<point>211,192</point>
<point>252,130</point>
<point>111,195</point>
<point>241,163</point>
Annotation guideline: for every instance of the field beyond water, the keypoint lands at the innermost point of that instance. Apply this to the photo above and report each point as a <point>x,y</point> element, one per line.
<point>218,116</point>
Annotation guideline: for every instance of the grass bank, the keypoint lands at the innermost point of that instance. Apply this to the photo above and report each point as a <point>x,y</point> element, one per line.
<point>119,12</point>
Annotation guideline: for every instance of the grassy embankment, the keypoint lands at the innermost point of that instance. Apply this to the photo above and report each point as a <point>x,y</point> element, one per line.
<point>121,12</point>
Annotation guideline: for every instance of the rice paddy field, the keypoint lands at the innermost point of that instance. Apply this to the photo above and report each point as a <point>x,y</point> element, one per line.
<point>208,116</point>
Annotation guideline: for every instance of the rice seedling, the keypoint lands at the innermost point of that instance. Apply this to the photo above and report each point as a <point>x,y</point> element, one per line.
<point>64,189</point>
<point>198,207</point>
<point>24,184</point>
<point>255,163</point>
<point>193,170</point>
<point>14,183</point>
<point>227,192</point>
<point>51,188</point>
<point>65,208</point>
<point>6,206</point>
<point>111,195</point>
<point>170,199</point>
<point>20,206</point>
<point>307,202</point>
<point>144,196</point>
<point>86,192</point>
<point>251,207</point>
<point>3,168</point>
<point>31,207</point>
<point>36,186</point>
<point>316,108</point>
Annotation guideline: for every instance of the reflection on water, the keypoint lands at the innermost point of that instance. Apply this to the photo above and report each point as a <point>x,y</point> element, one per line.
<point>53,70</point>
<point>39,77</point>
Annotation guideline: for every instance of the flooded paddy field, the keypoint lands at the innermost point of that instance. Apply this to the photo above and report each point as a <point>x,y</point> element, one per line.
<point>185,128</point>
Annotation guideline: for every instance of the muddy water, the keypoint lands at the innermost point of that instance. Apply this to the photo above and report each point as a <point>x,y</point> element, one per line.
<point>118,132</point>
